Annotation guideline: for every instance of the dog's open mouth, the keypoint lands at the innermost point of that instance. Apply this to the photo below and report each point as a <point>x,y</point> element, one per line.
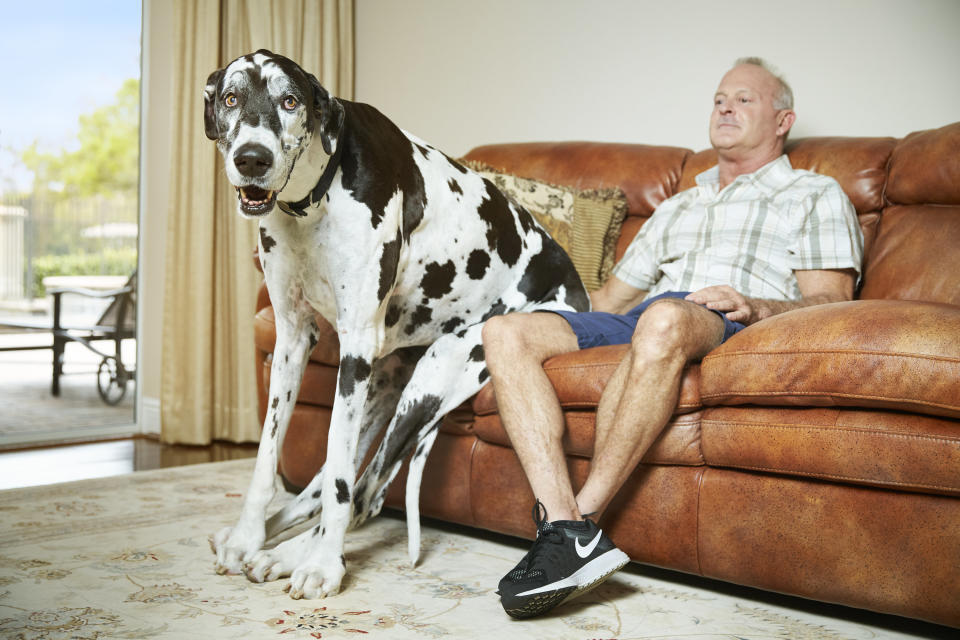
<point>255,201</point>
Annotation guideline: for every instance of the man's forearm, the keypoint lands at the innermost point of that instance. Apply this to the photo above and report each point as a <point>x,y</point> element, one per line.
<point>765,308</point>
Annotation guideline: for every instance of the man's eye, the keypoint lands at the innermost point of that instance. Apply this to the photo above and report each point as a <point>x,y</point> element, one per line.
<point>290,103</point>
<point>230,100</point>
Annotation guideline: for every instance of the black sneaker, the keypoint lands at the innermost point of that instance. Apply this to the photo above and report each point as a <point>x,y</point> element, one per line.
<point>568,558</point>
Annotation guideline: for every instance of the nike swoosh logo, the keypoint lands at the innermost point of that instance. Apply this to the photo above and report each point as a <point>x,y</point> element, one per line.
<point>584,551</point>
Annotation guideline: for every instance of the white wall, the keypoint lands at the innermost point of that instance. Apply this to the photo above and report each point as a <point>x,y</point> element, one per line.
<point>459,74</point>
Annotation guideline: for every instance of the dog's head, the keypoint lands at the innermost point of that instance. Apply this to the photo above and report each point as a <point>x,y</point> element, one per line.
<point>264,111</point>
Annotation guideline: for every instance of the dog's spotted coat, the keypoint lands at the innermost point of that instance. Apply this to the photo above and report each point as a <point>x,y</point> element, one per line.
<point>406,253</point>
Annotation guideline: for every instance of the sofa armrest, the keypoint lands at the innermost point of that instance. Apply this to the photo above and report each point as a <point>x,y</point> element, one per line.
<point>891,354</point>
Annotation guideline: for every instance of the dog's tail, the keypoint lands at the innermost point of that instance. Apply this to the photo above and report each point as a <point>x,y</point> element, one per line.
<point>414,476</point>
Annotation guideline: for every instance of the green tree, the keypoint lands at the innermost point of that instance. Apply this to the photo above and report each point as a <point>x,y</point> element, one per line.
<point>107,160</point>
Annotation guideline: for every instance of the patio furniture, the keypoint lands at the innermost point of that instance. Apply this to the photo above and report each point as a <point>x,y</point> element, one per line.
<point>116,324</point>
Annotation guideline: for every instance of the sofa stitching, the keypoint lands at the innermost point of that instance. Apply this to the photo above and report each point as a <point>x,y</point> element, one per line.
<point>857,352</point>
<point>784,426</point>
<point>854,396</point>
<point>697,536</point>
<point>832,476</point>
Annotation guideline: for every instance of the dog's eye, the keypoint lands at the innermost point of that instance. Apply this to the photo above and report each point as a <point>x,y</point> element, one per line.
<point>230,100</point>
<point>290,103</point>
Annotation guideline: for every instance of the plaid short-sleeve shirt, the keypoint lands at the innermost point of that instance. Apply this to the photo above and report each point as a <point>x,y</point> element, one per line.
<point>752,235</point>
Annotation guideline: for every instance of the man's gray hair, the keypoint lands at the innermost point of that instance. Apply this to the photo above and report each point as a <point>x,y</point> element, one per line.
<point>784,97</point>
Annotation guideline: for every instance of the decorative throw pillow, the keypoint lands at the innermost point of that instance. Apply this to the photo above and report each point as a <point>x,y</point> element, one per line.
<point>586,223</point>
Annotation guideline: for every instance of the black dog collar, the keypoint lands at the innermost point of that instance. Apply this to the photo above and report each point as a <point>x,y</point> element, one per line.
<point>299,208</point>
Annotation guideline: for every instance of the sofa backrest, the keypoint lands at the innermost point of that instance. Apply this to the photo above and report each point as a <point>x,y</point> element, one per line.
<point>906,193</point>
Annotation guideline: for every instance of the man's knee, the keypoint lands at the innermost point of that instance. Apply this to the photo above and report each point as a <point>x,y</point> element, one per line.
<point>499,331</point>
<point>664,332</point>
<point>525,336</point>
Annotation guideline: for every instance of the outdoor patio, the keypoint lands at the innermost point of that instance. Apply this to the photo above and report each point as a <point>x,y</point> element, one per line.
<point>29,411</point>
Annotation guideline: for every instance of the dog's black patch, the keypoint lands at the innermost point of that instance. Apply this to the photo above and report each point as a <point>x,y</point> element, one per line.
<point>502,234</point>
<point>451,324</point>
<point>456,165</point>
<point>438,279</point>
<point>540,281</point>
<point>352,370</point>
<point>484,376</point>
<point>378,161</point>
<point>421,316</point>
<point>316,495</point>
<point>454,186</point>
<point>266,241</point>
<point>392,316</point>
<point>359,492</point>
<point>497,309</point>
<point>418,414</point>
<point>389,260</point>
<point>276,401</point>
<point>477,264</point>
<point>476,354</point>
<point>343,491</point>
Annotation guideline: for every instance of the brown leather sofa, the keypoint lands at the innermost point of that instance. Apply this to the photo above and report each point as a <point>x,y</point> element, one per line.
<point>817,453</point>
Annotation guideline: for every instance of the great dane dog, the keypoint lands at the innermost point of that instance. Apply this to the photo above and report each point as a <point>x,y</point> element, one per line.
<point>406,253</point>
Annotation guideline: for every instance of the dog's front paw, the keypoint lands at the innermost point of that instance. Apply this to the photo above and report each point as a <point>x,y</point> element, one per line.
<point>317,579</point>
<point>234,546</point>
<point>273,564</point>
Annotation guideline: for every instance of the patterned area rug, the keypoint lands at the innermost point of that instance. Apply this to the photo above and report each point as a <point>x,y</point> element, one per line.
<point>128,557</point>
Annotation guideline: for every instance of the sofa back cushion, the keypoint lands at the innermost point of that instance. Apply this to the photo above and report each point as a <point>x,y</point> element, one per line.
<point>917,250</point>
<point>906,193</point>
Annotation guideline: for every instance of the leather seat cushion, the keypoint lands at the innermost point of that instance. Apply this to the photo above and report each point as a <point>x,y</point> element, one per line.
<point>886,354</point>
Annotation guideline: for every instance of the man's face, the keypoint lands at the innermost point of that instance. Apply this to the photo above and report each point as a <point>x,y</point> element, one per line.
<point>744,120</point>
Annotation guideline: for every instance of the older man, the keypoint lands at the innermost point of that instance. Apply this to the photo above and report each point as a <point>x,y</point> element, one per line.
<point>753,238</point>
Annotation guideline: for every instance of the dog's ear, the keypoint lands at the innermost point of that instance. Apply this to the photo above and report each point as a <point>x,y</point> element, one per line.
<point>210,124</point>
<point>329,113</point>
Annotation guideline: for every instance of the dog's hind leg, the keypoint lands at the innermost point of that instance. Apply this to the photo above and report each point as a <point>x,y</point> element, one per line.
<point>452,370</point>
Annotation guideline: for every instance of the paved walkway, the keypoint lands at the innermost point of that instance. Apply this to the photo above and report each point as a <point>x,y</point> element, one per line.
<point>26,404</point>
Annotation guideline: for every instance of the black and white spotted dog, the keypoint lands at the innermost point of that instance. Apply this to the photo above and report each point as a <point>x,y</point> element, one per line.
<point>406,253</point>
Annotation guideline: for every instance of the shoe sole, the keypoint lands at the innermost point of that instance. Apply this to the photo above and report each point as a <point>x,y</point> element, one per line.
<point>545,598</point>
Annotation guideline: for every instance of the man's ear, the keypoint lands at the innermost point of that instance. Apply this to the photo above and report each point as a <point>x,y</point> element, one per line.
<point>785,120</point>
<point>210,124</point>
<point>329,113</point>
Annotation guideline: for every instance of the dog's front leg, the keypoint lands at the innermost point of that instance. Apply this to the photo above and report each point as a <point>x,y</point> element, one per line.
<point>323,566</point>
<point>296,335</point>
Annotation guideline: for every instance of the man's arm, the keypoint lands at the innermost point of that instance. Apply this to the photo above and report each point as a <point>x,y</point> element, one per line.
<point>816,287</point>
<point>616,296</point>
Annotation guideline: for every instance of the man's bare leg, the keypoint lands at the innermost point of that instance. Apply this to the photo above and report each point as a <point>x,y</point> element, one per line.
<point>642,394</point>
<point>515,347</point>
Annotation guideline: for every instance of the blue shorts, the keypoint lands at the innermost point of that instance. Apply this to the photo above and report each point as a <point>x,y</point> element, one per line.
<point>598,328</point>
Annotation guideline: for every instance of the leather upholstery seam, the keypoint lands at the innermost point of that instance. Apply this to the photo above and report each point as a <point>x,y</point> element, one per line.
<point>831,428</point>
<point>853,396</point>
<point>856,352</point>
<point>834,476</point>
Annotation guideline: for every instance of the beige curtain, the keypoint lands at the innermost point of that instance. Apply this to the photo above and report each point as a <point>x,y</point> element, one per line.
<point>208,377</point>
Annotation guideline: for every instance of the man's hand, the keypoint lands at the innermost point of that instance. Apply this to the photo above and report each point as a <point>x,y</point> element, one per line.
<point>816,287</point>
<point>735,305</point>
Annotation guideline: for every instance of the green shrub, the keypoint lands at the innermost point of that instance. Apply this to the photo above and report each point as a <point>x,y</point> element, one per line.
<point>109,262</point>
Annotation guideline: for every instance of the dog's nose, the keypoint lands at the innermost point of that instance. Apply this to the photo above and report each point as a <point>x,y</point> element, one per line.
<point>253,160</point>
